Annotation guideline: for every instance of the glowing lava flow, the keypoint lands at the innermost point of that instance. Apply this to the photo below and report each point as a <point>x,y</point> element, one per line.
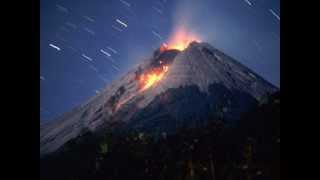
<point>179,40</point>
<point>149,79</point>
<point>146,80</point>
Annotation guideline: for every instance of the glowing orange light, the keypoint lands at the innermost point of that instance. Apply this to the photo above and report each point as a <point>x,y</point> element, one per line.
<point>146,80</point>
<point>181,38</point>
<point>150,78</point>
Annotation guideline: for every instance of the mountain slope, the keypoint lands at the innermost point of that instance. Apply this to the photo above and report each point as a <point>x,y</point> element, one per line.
<point>189,84</point>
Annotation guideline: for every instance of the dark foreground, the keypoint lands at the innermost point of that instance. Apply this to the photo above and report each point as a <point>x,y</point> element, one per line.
<point>248,150</point>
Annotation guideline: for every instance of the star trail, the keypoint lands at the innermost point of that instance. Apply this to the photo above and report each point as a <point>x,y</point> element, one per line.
<point>85,45</point>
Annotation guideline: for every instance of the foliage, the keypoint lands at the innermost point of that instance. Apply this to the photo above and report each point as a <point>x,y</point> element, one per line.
<point>249,150</point>
<point>103,148</point>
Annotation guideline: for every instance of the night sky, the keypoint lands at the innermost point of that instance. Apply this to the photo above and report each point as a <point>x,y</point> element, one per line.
<point>85,44</point>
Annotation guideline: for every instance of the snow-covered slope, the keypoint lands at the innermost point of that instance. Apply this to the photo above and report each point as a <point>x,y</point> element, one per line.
<point>199,80</point>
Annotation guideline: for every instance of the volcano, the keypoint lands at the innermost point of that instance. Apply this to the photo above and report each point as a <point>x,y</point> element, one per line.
<point>172,89</point>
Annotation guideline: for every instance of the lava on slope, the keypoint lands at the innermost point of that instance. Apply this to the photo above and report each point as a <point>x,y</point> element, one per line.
<point>162,58</point>
<point>145,81</point>
<point>157,69</point>
<point>151,75</point>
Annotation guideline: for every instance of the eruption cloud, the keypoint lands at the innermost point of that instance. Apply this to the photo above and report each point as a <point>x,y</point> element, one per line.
<point>181,38</point>
<point>187,26</point>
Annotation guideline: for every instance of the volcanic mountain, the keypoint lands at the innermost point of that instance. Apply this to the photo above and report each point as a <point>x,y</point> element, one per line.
<point>170,90</point>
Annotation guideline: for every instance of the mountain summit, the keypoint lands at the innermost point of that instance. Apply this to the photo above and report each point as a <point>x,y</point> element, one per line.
<point>170,90</point>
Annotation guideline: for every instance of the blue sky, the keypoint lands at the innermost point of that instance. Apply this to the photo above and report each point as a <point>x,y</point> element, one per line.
<point>84,45</point>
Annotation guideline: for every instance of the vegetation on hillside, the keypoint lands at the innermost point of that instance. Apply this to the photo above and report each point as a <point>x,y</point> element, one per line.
<point>248,150</point>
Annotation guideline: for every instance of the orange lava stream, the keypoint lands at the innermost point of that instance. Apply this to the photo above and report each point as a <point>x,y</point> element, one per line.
<point>146,81</point>
<point>149,79</point>
<point>179,40</point>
